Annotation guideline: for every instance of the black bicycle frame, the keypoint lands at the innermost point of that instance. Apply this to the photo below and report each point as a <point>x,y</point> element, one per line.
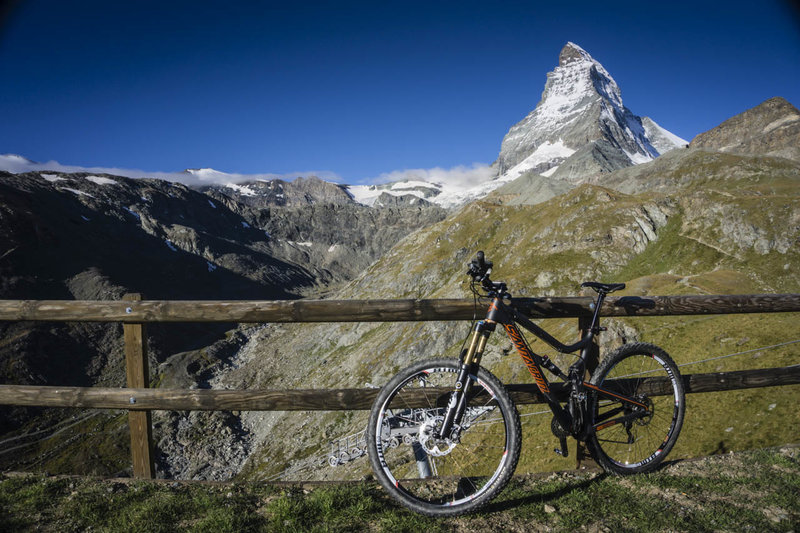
<point>500,313</point>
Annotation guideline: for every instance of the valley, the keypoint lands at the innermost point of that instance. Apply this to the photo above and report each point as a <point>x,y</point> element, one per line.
<point>622,200</point>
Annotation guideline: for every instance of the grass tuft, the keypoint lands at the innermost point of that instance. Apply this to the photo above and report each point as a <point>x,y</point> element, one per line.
<point>752,491</point>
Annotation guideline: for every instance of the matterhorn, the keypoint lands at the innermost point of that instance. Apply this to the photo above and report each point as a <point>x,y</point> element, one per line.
<point>580,127</point>
<point>579,130</point>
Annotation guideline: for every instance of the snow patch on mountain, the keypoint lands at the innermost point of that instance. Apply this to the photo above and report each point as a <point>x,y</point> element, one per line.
<point>133,213</point>
<point>661,139</point>
<point>546,153</point>
<point>441,186</point>
<point>77,192</point>
<point>581,104</point>
<point>244,190</point>
<point>100,180</point>
<point>364,194</point>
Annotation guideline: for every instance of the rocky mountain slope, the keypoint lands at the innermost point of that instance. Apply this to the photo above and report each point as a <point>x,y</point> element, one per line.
<point>164,235</point>
<point>78,236</point>
<point>718,223</point>
<point>771,128</point>
<point>695,220</point>
<point>580,126</point>
<point>84,236</point>
<point>264,193</point>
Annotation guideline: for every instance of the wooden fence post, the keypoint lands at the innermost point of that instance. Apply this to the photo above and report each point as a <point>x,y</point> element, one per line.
<point>138,375</point>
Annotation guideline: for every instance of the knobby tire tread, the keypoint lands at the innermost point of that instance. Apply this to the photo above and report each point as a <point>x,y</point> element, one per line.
<point>512,425</point>
<point>623,352</point>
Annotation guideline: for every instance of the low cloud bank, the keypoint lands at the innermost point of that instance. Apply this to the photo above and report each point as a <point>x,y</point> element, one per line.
<point>459,177</point>
<point>203,176</point>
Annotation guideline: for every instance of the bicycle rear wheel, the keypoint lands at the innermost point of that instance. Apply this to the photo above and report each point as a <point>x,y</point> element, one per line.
<point>442,477</point>
<point>647,374</point>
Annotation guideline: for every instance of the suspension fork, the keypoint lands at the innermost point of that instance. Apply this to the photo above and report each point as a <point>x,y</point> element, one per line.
<point>470,361</point>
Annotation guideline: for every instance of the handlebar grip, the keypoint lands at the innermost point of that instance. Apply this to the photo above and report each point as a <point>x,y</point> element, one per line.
<point>480,260</point>
<point>479,267</point>
<point>483,264</point>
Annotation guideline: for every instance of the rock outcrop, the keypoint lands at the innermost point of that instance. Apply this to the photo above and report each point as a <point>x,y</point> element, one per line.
<point>771,128</point>
<point>278,192</point>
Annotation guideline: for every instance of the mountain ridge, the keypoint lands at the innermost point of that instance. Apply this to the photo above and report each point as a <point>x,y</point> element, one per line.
<point>581,104</point>
<point>579,128</point>
<point>692,221</point>
<point>770,128</point>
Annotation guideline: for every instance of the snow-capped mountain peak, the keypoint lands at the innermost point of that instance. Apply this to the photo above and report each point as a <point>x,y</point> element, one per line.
<point>579,128</point>
<point>581,104</point>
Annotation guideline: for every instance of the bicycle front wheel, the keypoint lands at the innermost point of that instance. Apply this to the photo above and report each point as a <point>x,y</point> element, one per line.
<point>626,442</point>
<point>442,476</point>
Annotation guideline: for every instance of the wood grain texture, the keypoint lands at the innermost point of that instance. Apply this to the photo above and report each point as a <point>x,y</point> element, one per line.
<point>138,376</point>
<point>380,310</point>
<point>336,399</point>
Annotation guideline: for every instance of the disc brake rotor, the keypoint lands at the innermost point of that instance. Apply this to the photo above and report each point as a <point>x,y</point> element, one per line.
<point>432,445</point>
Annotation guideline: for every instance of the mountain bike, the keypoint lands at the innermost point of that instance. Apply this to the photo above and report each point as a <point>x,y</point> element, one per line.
<point>444,435</point>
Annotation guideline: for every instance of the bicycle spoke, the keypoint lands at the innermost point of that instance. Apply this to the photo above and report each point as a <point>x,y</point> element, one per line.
<point>631,439</point>
<point>455,469</point>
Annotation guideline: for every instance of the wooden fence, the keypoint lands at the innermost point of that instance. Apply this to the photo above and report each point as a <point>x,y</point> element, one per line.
<point>139,400</point>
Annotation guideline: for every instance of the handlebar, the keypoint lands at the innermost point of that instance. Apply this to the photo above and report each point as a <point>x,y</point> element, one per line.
<point>479,271</point>
<point>479,267</point>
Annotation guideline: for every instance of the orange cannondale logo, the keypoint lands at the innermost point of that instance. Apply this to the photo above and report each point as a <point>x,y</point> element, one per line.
<point>527,357</point>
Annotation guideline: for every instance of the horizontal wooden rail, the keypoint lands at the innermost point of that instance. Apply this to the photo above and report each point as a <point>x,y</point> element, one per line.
<point>334,399</point>
<point>135,312</point>
<point>380,310</point>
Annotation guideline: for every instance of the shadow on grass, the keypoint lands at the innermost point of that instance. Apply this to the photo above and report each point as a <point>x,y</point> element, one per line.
<point>540,497</point>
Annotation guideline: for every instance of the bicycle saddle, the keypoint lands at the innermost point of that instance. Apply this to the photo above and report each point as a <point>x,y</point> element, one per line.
<point>603,287</point>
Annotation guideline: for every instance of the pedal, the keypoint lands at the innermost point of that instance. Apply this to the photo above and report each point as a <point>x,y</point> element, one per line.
<point>563,451</point>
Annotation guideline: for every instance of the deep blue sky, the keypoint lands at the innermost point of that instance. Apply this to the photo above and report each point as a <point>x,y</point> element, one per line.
<point>359,88</point>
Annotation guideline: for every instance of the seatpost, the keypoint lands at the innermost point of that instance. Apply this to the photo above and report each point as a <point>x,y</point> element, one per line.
<point>593,329</point>
<point>601,296</point>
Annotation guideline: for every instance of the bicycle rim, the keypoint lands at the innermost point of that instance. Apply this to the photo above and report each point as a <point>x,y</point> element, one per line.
<point>641,444</point>
<point>443,477</point>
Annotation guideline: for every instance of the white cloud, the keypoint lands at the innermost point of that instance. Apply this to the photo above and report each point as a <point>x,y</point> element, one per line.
<point>464,177</point>
<point>452,181</point>
<point>205,176</point>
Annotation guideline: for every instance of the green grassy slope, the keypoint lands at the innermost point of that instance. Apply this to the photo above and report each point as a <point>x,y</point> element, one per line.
<point>725,225</point>
<point>706,495</point>
<point>706,224</point>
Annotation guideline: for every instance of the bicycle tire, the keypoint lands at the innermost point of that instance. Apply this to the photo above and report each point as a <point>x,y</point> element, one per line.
<point>470,472</point>
<point>639,445</point>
